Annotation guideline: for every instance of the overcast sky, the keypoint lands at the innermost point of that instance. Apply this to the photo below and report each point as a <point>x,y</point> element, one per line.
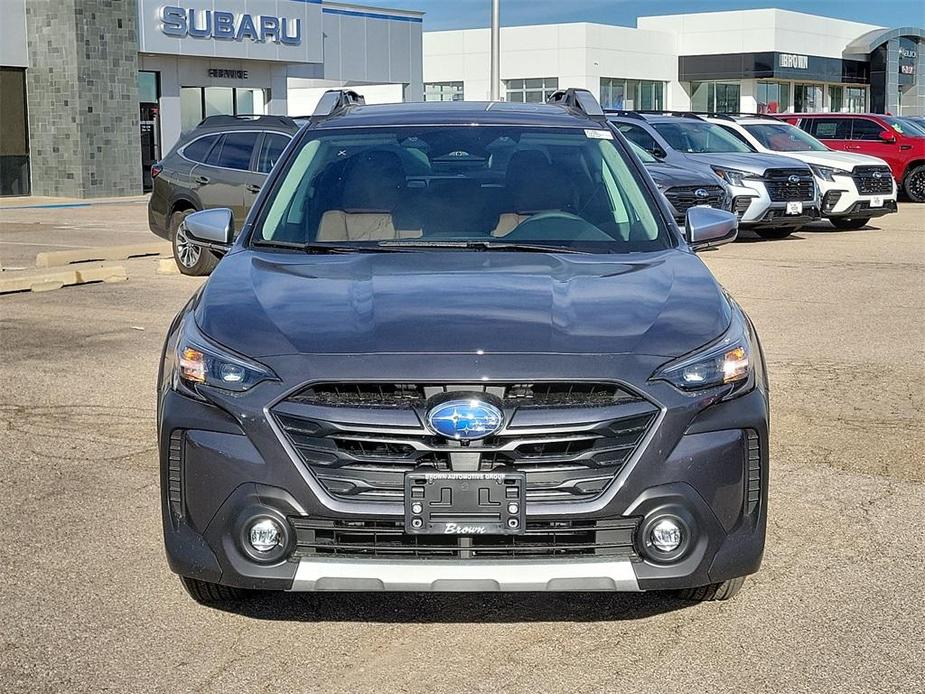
<point>459,14</point>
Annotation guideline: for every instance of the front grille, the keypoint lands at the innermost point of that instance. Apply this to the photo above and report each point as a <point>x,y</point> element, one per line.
<point>567,453</point>
<point>410,395</point>
<point>781,189</point>
<point>175,472</point>
<point>376,538</point>
<point>753,469</point>
<point>869,184</point>
<point>683,198</point>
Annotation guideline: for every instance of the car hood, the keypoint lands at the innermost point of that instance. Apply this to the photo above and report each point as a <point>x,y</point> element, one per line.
<point>669,175</point>
<point>751,162</point>
<point>262,304</point>
<point>837,160</point>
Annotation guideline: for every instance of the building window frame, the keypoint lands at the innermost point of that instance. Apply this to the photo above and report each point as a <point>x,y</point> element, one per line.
<point>234,102</point>
<point>634,95</point>
<point>444,91</point>
<point>19,157</point>
<point>532,90</point>
<point>719,96</point>
<point>776,96</point>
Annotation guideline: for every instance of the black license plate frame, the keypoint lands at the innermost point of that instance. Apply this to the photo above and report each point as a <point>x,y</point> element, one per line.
<point>465,503</point>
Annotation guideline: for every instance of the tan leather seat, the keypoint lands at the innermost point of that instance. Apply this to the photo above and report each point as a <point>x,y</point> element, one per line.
<point>507,222</point>
<point>337,225</point>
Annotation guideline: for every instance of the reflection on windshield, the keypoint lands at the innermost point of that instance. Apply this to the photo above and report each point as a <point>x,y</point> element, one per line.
<point>566,187</point>
<point>699,138</point>
<point>782,137</point>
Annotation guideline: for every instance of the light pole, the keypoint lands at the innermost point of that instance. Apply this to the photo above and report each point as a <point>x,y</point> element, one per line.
<point>495,49</point>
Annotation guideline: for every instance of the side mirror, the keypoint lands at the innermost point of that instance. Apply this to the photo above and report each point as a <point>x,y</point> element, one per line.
<point>887,136</point>
<point>212,229</point>
<point>707,227</point>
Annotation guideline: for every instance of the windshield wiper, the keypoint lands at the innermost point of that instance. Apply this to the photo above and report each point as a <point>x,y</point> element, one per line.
<point>322,247</point>
<point>482,246</point>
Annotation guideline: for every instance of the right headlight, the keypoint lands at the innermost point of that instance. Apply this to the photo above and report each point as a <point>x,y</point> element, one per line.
<point>733,177</point>
<point>828,173</point>
<point>728,360</point>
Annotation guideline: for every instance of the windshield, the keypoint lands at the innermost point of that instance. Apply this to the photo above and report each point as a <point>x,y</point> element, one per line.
<point>643,155</point>
<point>698,137</point>
<point>907,126</point>
<point>452,187</point>
<point>783,137</point>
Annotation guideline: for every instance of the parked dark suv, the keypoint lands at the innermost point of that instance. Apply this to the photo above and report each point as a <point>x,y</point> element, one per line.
<point>222,162</point>
<point>462,346</point>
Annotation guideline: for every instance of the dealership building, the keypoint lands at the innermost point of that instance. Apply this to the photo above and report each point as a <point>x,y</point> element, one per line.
<point>93,91</point>
<point>741,61</point>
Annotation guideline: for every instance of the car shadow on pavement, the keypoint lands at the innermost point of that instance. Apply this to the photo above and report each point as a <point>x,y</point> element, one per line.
<point>456,608</point>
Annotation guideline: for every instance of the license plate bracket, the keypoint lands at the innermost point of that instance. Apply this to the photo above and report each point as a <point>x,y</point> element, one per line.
<point>464,503</point>
<point>876,201</point>
<point>794,208</point>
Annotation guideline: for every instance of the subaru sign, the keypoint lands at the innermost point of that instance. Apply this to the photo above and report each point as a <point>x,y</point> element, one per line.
<point>225,26</point>
<point>465,420</point>
<point>276,30</point>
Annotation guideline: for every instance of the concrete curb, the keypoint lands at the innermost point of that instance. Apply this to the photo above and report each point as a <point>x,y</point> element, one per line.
<point>83,255</point>
<point>26,281</point>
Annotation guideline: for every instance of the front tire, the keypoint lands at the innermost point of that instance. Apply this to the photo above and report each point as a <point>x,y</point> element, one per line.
<point>725,590</point>
<point>191,260</point>
<point>774,233</point>
<point>914,184</point>
<point>206,593</point>
<point>848,223</point>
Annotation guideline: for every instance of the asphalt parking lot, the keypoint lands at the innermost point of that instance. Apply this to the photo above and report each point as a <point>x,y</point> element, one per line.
<point>88,604</point>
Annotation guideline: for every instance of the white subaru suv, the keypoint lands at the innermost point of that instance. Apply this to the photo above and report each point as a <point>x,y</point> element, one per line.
<point>854,187</point>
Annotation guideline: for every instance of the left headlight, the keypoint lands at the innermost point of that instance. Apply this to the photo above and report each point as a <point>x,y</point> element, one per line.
<point>202,362</point>
<point>728,360</point>
<point>828,173</point>
<point>733,177</point>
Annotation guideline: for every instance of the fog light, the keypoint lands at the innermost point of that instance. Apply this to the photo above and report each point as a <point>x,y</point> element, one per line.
<point>665,535</point>
<point>265,535</point>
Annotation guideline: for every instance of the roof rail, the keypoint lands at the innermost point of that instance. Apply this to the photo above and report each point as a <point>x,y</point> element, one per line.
<point>624,114</point>
<point>675,113</point>
<point>238,119</point>
<point>579,100</point>
<point>335,100</point>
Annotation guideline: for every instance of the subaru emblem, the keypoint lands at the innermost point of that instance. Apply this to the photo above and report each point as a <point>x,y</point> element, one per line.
<point>465,419</point>
<point>701,193</point>
<point>794,178</point>
<point>877,174</point>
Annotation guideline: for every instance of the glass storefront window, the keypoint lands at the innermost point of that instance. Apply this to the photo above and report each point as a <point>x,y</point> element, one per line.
<point>836,98</point>
<point>855,99</point>
<point>639,95</point>
<point>531,91</point>
<point>199,102</point>
<point>147,87</point>
<point>716,97</point>
<point>443,91</point>
<point>15,178</point>
<point>773,97</point>
<point>807,98</point>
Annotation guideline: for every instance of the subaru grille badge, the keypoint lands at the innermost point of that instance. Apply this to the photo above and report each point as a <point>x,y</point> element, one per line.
<point>465,420</point>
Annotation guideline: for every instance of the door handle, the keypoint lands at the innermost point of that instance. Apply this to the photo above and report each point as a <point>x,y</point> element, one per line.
<point>201,179</point>
<point>252,188</point>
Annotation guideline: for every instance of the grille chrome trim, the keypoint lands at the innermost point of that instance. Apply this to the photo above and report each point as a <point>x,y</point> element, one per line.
<point>547,508</point>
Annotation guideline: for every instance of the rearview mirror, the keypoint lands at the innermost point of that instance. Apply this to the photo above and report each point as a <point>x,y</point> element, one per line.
<point>887,136</point>
<point>212,229</point>
<point>707,227</point>
<point>657,152</point>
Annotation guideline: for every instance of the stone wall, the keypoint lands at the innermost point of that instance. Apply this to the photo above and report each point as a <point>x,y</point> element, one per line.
<point>83,98</point>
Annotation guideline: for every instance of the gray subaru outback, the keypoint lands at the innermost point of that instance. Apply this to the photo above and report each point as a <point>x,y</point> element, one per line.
<point>462,347</point>
<point>222,162</point>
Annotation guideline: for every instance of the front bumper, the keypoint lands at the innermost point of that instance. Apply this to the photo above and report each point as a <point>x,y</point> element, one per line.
<point>484,576</point>
<point>761,211</point>
<point>695,466</point>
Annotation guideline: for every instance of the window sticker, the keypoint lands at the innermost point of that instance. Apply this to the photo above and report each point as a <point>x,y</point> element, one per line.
<point>598,134</point>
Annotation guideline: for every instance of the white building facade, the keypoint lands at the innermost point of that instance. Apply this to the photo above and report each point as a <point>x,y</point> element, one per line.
<point>742,61</point>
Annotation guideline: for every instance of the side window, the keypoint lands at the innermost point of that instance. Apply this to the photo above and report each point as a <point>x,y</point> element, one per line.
<point>829,128</point>
<point>639,136</point>
<point>863,129</point>
<point>198,150</point>
<point>272,148</point>
<point>235,150</point>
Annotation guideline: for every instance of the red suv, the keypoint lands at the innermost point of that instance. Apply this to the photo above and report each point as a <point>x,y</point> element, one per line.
<point>900,142</point>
